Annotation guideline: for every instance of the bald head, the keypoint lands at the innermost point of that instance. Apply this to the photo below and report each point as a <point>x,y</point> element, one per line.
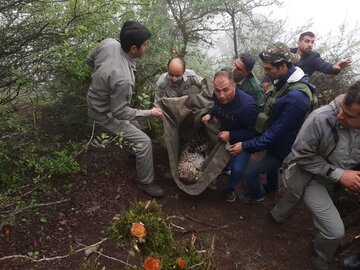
<point>177,63</point>
<point>176,69</point>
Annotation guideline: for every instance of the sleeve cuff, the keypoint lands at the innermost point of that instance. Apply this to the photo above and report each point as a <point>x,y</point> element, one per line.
<point>336,174</point>
<point>146,113</point>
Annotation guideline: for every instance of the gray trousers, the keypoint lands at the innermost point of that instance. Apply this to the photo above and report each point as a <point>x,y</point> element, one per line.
<point>328,224</point>
<point>132,133</point>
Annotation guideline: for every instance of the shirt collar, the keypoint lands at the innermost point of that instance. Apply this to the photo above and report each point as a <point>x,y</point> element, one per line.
<point>130,60</point>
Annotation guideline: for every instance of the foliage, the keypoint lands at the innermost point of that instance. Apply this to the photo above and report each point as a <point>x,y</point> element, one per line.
<point>26,159</point>
<point>103,139</point>
<point>333,49</point>
<point>146,233</point>
<point>244,27</point>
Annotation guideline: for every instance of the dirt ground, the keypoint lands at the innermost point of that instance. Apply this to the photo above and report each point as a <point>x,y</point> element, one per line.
<point>87,202</point>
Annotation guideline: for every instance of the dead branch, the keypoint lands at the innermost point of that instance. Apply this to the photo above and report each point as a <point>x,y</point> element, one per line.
<point>104,255</point>
<point>51,258</point>
<point>89,141</point>
<point>114,259</point>
<point>29,207</point>
<point>205,223</point>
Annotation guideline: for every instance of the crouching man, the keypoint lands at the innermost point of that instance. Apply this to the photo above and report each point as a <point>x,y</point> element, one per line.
<point>324,154</point>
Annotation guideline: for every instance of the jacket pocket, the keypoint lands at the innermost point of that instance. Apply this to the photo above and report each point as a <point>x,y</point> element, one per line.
<point>296,179</point>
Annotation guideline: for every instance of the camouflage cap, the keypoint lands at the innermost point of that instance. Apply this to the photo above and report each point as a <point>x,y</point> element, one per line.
<point>278,52</point>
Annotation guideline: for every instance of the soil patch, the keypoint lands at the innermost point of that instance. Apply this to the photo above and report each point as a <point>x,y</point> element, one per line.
<point>87,202</point>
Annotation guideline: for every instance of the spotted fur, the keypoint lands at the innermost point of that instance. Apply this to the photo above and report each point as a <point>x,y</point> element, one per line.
<point>192,158</point>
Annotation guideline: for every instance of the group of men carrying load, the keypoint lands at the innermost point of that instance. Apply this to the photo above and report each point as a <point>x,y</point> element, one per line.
<point>317,148</point>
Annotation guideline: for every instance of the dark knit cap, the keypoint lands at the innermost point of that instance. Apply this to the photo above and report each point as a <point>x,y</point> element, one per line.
<point>248,60</point>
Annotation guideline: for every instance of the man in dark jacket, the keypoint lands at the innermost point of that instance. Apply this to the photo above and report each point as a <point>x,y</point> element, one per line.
<point>311,61</point>
<point>284,112</point>
<point>237,113</point>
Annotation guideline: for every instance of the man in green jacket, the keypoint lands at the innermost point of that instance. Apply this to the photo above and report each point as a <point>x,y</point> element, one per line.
<point>326,153</point>
<point>246,80</point>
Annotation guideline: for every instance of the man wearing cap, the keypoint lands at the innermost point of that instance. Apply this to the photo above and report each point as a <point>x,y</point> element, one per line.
<point>311,61</point>
<point>178,81</point>
<point>246,80</point>
<point>285,109</point>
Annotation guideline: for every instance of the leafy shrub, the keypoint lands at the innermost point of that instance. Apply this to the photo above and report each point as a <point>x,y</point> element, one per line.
<point>26,158</point>
<point>143,230</point>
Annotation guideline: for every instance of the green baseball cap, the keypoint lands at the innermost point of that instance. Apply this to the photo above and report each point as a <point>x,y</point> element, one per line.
<point>277,52</point>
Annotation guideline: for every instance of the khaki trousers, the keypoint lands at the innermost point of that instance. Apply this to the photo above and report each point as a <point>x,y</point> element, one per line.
<point>132,133</point>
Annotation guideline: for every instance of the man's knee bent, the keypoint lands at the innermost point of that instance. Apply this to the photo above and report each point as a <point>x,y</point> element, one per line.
<point>337,231</point>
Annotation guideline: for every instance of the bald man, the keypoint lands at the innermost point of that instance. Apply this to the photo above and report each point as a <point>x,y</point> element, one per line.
<point>178,81</point>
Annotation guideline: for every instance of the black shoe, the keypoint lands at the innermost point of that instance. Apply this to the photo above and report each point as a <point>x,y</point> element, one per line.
<point>226,171</point>
<point>246,198</point>
<point>319,263</point>
<point>152,189</point>
<point>230,195</point>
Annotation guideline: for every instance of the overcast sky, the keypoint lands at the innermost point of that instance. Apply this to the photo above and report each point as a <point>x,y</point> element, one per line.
<point>326,15</point>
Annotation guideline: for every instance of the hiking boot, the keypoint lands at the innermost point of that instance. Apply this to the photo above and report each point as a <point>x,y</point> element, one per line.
<point>152,189</point>
<point>271,218</point>
<point>230,195</point>
<point>246,198</point>
<point>319,263</point>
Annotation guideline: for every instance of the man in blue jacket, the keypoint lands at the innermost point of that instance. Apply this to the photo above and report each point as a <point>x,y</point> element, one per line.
<point>237,113</point>
<point>311,61</point>
<point>285,109</point>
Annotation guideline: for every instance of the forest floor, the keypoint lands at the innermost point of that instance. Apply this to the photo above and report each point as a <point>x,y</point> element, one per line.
<point>84,205</point>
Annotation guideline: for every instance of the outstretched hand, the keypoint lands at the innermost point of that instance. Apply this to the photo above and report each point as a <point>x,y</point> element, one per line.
<point>156,112</point>
<point>342,64</point>
<point>351,179</point>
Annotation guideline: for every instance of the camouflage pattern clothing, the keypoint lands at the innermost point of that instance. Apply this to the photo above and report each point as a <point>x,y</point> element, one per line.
<point>191,84</point>
<point>278,52</point>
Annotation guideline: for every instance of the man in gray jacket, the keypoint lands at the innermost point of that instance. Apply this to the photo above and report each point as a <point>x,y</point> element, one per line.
<point>178,81</point>
<point>325,153</point>
<point>110,94</point>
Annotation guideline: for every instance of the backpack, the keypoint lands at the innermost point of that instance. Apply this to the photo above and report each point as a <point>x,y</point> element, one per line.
<point>273,95</point>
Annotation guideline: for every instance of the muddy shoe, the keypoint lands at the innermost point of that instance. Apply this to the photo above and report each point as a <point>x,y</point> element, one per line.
<point>271,218</point>
<point>319,263</point>
<point>152,189</point>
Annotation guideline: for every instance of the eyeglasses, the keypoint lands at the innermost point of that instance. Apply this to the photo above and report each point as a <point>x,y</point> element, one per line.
<point>176,77</point>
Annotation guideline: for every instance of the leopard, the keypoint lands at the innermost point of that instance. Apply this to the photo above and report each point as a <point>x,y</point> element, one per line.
<point>191,159</point>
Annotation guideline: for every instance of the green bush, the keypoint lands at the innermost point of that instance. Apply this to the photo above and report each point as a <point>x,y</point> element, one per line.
<point>147,235</point>
<point>27,158</point>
